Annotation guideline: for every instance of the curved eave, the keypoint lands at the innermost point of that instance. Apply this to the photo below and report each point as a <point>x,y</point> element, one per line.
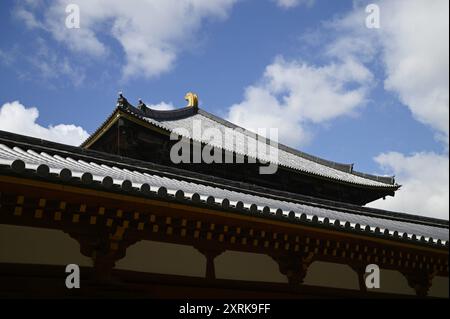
<point>346,168</point>
<point>18,172</point>
<point>87,155</point>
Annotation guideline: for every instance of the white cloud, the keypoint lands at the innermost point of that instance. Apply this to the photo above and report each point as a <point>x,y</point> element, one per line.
<point>163,106</point>
<point>27,17</point>
<point>425,179</point>
<point>413,48</point>
<point>45,64</point>
<point>287,4</point>
<point>415,38</point>
<point>151,33</point>
<point>16,118</point>
<point>294,94</point>
<point>49,65</point>
<point>6,58</point>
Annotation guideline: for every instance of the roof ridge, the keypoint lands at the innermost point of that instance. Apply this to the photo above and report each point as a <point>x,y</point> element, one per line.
<point>347,168</point>
<point>343,167</point>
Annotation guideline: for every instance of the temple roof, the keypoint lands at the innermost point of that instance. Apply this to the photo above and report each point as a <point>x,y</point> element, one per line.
<point>182,120</point>
<point>37,159</point>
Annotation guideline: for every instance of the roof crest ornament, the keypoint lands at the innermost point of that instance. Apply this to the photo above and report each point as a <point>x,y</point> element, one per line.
<point>142,106</point>
<point>122,101</point>
<point>192,99</point>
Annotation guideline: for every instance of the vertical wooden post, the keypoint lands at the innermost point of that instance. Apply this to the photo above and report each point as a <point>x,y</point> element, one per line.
<point>104,249</point>
<point>103,266</point>
<point>360,271</point>
<point>420,281</point>
<point>210,254</point>
<point>294,267</point>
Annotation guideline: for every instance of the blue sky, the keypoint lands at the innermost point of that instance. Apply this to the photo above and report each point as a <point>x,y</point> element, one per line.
<point>249,61</point>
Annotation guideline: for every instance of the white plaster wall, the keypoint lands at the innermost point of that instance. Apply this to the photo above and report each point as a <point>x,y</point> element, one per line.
<point>392,281</point>
<point>163,258</point>
<point>327,274</point>
<point>439,287</point>
<point>29,245</point>
<point>247,266</point>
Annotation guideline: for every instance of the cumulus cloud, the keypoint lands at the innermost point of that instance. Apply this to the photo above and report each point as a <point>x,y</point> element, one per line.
<point>16,118</point>
<point>287,4</point>
<point>294,94</point>
<point>425,179</point>
<point>413,47</point>
<point>151,33</point>
<point>415,41</point>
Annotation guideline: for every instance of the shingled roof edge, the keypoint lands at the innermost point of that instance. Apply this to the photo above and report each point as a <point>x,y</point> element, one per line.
<point>17,168</point>
<point>33,143</point>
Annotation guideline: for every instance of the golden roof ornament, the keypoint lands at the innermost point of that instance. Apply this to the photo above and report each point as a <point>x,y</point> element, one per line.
<point>192,100</point>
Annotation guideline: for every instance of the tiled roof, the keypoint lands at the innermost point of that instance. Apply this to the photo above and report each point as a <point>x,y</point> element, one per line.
<point>182,120</point>
<point>23,156</point>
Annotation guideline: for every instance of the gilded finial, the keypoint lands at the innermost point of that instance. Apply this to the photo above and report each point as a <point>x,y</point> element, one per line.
<point>192,99</point>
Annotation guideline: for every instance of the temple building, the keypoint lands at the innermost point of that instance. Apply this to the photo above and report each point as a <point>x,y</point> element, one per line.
<point>141,225</point>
